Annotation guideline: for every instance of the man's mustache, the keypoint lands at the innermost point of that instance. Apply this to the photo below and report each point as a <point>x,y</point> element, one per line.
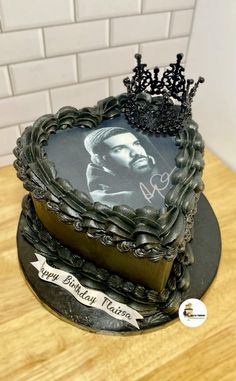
<point>138,157</point>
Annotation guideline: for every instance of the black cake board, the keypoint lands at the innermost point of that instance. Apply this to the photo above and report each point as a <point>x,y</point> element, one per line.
<point>206,246</point>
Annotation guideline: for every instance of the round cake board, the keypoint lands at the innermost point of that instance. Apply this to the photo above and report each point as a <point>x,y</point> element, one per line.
<point>206,246</point>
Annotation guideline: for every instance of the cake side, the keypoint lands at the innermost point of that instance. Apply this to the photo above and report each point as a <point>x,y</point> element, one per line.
<point>151,274</point>
<point>141,298</point>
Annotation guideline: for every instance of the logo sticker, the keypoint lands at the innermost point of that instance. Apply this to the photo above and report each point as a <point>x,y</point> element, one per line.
<point>192,313</point>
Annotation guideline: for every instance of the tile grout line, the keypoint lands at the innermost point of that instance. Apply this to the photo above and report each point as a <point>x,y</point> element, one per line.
<point>50,100</point>
<point>163,11</point>
<point>171,19</point>
<point>91,20</point>
<point>68,85</point>
<point>44,43</point>
<point>109,46</point>
<point>1,18</point>
<point>10,81</point>
<point>19,130</point>
<point>55,88</point>
<point>19,94</point>
<point>16,125</point>
<point>109,86</point>
<point>133,44</point>
<point>191,30</point>
<point>7,154</point>
<point>109,32</point>
<point>45,58</point>
<point>139,48</point>
<point>92,50</point>
<point>77,66</point>
<point>74,11</point>
<point>141,7</point>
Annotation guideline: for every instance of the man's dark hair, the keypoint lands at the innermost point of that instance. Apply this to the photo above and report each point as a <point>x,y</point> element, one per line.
<point>94,141</point>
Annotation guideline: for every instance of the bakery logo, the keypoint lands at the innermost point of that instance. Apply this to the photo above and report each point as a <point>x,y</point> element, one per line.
<point>188,310</point>
<point>84,295</point>
<point>192,312</point>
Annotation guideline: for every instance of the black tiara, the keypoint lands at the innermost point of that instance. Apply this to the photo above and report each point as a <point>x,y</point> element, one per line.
<point>159,105</point>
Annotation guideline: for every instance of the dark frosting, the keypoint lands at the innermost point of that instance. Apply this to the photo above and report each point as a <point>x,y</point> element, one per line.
<point>167,300</point>
<point>147,232</point>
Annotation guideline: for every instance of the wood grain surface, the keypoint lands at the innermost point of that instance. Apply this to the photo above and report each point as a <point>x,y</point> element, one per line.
<point>36,345</point>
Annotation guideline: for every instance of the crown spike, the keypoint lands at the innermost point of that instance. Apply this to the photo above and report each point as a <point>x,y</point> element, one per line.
<point>127,84</point>
<point>194,88</point>
<point>138,58</point>
<point>179,57</point>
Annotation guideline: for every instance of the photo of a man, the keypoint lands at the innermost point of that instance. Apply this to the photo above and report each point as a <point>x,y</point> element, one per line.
<point>120,167</point>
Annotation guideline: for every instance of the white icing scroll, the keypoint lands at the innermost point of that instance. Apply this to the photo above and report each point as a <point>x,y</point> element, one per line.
<point>84,295</point>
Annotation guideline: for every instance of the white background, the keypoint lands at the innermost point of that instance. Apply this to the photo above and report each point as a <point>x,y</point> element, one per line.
<point>213,54</point>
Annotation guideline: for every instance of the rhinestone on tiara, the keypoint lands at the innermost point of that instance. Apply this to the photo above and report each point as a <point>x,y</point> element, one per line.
<point>159,105</point>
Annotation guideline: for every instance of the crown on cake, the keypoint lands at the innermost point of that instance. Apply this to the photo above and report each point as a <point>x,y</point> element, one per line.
<point>159,105</point>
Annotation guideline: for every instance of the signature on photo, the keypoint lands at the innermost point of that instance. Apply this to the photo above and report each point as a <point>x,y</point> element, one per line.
<point>157,184</point>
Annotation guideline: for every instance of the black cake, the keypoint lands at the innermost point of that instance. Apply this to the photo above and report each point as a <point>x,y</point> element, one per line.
<point>113,190</point>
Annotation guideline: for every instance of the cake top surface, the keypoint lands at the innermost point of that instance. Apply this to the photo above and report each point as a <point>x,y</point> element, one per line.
<point>60,162</point>
<point>114,163</point>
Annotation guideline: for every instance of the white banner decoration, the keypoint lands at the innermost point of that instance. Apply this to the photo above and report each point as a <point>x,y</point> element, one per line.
<point>84,295</point>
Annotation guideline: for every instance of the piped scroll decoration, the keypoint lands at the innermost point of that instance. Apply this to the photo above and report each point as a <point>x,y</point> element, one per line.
<point>146,232</point>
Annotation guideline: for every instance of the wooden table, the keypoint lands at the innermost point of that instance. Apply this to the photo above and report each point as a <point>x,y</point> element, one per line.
<point>36,345</point>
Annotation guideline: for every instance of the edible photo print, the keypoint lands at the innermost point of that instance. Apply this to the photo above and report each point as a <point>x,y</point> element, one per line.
<point>114,163</point>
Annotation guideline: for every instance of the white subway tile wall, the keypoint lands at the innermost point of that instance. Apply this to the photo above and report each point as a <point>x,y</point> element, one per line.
<point>30,14</point>
<point>5,86</point>
<point>96,9</point>
<point>43,74</point>
<point>77,37</point>
<point>8,138</point>
<point>116,84</point>
<point>139,28</point>
<point>74,52</point>
<point>20,108</point>
<point>21,46</point>
<point>166,5</point>
<point>80,95</point>
<point>181,23</point>
<point>24,125</point>
<point>106,63</point>
<point>165,49</point>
